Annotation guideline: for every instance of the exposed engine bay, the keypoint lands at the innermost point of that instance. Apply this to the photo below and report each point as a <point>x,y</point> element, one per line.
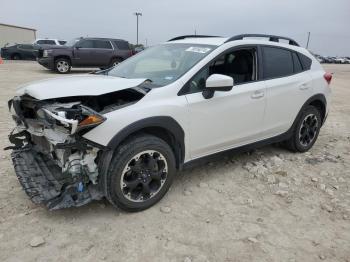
<point>54,164</point>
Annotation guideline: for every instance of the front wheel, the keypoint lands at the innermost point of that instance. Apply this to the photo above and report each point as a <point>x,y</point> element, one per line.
<point>62,65</point>
<point>141,172</point>
<point>306,130</point>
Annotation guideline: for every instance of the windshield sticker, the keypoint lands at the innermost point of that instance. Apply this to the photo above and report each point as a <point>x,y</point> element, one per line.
<point>169,78</point>
<point>201,50</point>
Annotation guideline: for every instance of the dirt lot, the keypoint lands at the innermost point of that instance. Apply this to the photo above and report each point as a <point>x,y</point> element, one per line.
<point>269,205</point>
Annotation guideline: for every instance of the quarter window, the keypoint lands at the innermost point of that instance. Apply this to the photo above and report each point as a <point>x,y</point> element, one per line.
<point>305,61</point>
<point>102,44</point>
<point>277,62</point>
<point>122,45</point>
<point>297,65</point>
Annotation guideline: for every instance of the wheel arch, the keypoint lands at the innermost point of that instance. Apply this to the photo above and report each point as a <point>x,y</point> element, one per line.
<point>319,101</point>
<point>63,56</point>
<point>116,57</point>
<point>164,127</point>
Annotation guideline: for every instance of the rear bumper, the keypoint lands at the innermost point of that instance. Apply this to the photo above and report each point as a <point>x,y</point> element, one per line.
<point>47,62</point>
<point>44,182</point>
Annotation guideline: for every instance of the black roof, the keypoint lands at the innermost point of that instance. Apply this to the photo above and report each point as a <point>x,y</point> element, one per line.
<point>103,38</point>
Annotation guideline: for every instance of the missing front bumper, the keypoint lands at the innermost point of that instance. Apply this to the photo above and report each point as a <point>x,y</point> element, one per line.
<point>44,182</point>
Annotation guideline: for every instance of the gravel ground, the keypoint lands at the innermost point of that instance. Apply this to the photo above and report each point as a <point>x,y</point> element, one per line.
<point>268,205</point>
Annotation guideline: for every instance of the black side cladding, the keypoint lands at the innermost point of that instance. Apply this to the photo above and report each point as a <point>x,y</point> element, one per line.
<point>44,183</point>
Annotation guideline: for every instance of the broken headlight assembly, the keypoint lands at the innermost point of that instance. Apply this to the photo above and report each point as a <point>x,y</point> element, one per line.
<point>74,117</point>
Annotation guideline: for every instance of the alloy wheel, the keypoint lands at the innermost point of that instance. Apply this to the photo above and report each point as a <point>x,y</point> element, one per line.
<point>308,130</point>
<point>62,66</point>
<point>144,176</point>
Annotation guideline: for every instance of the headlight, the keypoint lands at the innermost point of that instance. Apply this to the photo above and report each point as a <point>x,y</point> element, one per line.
<point>46,53</point>
<point>91,120</point>
<point>74,118</point>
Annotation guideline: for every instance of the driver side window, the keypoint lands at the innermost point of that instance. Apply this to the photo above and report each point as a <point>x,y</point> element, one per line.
<point>238,64</point>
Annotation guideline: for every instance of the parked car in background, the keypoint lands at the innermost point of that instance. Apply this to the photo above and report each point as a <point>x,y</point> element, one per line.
<point>50,42</point>
<point>20,52</point>
<point>85,52</point>
<point>138,49</point>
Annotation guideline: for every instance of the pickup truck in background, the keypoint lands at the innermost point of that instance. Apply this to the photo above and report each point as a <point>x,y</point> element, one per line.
<point>85,52</point>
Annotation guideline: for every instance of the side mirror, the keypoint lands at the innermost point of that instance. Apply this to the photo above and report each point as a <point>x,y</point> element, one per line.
<point>217,82</point>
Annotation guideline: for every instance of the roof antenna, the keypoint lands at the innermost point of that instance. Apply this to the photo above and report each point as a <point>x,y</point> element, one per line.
<point>308,40</point>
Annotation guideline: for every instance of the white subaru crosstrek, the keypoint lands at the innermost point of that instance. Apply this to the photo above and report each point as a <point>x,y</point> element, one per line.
<point>122,133</point>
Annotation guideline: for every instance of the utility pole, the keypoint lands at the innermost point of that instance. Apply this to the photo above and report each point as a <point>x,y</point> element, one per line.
<point>137,26</point>
<point>308,39</point>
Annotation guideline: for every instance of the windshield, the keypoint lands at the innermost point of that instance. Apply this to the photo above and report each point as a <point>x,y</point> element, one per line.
<point>162,64</point>
<point>71,42</point>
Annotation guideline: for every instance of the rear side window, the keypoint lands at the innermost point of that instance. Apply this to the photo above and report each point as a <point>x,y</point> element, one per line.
<point>62,42</point>
<point>102,44</point>
<point>305,61</point>
<point>277,62</point>
<point>46,42</point>
<point>297,65</point>
<point>28,47</point>
<point>122,45</point>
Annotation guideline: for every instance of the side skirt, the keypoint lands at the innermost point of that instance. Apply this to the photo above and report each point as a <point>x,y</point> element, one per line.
<point>237,150</point>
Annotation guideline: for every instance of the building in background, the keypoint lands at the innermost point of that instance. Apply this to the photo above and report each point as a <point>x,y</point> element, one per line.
<point>16,34</point>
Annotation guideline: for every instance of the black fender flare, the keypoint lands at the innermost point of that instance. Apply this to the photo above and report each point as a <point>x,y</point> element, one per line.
<point>317,97</point>
<point>165,122</point>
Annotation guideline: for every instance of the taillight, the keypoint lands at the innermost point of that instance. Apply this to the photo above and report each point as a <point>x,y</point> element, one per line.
<point>328,77</point>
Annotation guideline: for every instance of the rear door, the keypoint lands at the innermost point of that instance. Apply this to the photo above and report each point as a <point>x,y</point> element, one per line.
<point>288,87</point>
<point>103,52</point>
<point>27,51</point>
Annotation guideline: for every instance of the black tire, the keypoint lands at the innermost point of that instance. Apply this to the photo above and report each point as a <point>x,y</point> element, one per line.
<point>16,57</point>
<point>118,193</point>
<point>62,65</point>
<point>297,143</point>
<point>115,61</point>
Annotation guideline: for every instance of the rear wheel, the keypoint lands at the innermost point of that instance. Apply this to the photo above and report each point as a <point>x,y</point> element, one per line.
<point>115,61</point>
<point>62,65</point>
<point>306,130</point>
<point>141,173</point>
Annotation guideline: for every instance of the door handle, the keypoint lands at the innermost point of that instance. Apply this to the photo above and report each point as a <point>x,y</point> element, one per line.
<point>258,94</point>
<point>304,86</point>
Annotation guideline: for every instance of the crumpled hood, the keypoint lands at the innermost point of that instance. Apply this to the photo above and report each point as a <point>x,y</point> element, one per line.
<point>79,85</point>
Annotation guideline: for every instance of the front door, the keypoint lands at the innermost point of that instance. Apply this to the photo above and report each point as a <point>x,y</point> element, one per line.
<point>228,119</point>
<point>83,53</point>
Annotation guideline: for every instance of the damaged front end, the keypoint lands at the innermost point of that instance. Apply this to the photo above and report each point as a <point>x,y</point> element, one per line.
<point>55,165</point>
